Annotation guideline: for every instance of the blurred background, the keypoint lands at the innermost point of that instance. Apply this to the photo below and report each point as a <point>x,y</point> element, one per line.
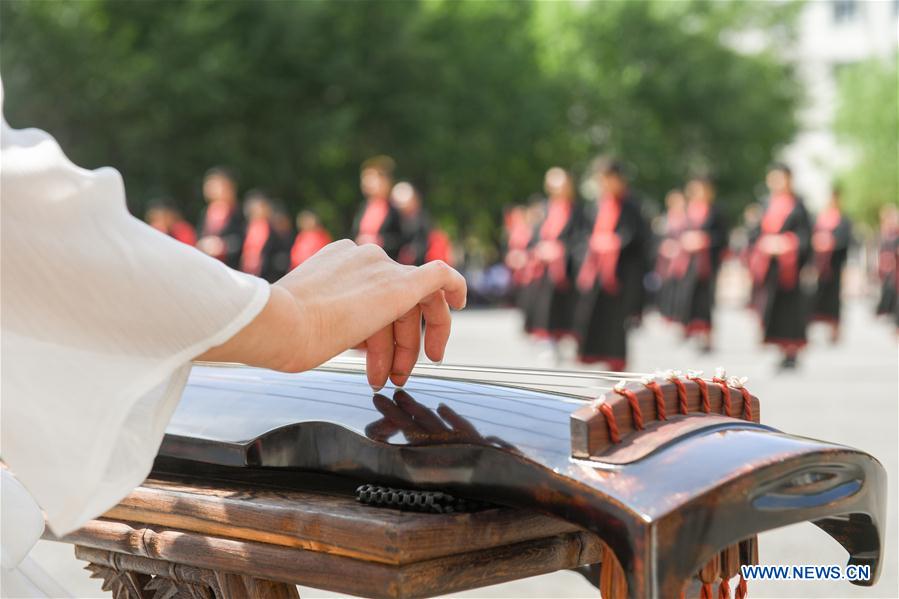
<point>473,102</point>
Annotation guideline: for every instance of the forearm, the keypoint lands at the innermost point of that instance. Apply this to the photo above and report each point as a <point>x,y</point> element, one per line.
<point>271,340</point>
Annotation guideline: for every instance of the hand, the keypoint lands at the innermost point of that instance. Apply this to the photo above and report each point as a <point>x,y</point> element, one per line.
<point>772,244</point>
<point>548,251</point>
<point>349,296</point>
<point>693,240</point>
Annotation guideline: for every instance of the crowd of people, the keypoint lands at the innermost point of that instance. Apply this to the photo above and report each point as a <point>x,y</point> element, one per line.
<point>589,271</point>
<point>586,271</point>
<point>257,236</point>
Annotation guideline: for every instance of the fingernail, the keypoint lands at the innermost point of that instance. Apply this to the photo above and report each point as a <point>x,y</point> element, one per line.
<point>376,388</point>
<point>437,362</point>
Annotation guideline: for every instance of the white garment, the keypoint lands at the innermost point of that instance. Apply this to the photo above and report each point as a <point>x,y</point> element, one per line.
<point>101,315</point>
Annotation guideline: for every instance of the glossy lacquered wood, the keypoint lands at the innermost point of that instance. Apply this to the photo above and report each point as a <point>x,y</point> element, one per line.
<point>665,510</point>
<point>211,537</point>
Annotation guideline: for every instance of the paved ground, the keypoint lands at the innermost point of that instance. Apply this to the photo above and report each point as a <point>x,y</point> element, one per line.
<point>845,393</point>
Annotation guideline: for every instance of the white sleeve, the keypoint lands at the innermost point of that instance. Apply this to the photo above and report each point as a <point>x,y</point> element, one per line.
<point>101,315</point>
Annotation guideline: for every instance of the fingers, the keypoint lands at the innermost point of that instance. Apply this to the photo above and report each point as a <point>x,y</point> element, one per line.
<point>437,275</point>
<point>421,415</point>
<point>407,343</point>
<point>379,357</point>
<point>438,322</point>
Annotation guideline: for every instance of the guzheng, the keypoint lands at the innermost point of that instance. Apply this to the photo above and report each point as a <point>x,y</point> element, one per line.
<point>674,472</point>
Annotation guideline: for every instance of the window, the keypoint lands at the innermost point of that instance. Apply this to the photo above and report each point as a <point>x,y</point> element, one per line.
<point>844,10</point>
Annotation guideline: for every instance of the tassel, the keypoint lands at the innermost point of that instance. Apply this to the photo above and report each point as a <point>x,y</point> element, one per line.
<point>706,592</point>
<point>742,589</point>
<point>724,589</point>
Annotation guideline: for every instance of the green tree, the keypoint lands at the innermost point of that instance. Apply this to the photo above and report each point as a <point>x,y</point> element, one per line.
<point>868,119</point>
<point>474,99</point>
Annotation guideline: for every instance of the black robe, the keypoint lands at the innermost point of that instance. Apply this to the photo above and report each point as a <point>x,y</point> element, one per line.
<point>232,235</point>
<point>889,287</point>
<point>552,304</point>
<point>782,309</point>
<point>602,318</point>
<point>390,232</point>
<point>667,295</point>
<point>826,301</point>
<point>416,230</point>
<point>696,289</point>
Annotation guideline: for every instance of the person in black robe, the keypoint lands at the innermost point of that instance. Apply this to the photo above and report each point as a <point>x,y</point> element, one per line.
<point>702,244</point>
<point>414,222</point>
<point>831,239</point>
<point>612,265</point>
<point>887,262</point>
<point>377,221</point>
<point>556,237</point>
<point>222,225</point>
<point>675,221</point>
<point>266,248</point>
<point>781,245</point>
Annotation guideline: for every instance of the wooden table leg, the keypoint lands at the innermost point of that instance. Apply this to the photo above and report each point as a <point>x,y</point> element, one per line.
<point>136,577</point>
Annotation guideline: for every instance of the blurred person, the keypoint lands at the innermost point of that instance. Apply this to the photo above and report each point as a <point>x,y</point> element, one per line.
<point>414,223</point>
<point>282,226</point>
<point>377,221</point>
<point>517,237</point>
<point>675,221</point>
<point>557,238</point>
<point>164,217</point>
<point>535,213</point>
<point>887,261</point>
<point>518,232</point>
<point>118,312</point>
<point>264,252</point>
<point>781,245</point>
<point>222,225</point>
<point>831,238</point>
<point>612,268</point>
<point>311,237</point>
<point>440,247</point>
<point>702,244</point>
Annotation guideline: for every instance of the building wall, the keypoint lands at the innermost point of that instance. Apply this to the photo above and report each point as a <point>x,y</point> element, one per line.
<point>831,35</point>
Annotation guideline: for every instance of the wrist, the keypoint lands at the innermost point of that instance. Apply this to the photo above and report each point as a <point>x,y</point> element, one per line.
<point>264,341</point>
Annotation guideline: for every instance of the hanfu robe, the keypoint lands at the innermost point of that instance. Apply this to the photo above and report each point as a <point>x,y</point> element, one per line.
<point>778,300</point>
<point>832,226</point>
<point>666,262</point>
<point>887,262</point>
<point>554,293</point>
<point>265,252</point>
<point>225,221</point>
<point>613,264</point>
<point>308,243</point>
<point>698,269</point>
<point>379,222</point>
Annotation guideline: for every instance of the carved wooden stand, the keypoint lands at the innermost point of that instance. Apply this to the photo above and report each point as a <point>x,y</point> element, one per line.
<point>136,577</point>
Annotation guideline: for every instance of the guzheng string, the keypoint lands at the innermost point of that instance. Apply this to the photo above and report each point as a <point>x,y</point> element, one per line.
<point>581,384</point>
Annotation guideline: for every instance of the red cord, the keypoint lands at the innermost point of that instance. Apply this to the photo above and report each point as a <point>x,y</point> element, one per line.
<point>747,403</point>
<point>681,394</point>
<point>725,395</point>
<point>703,393</point>
<point>606,410</point>
<point>660,399</point>
<point>724,589</point>
<point>706,592</point>
<point>636,413</point>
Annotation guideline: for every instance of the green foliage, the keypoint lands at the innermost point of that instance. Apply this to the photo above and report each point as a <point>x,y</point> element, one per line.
<point>474,99</point>
<point>868,119</point>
